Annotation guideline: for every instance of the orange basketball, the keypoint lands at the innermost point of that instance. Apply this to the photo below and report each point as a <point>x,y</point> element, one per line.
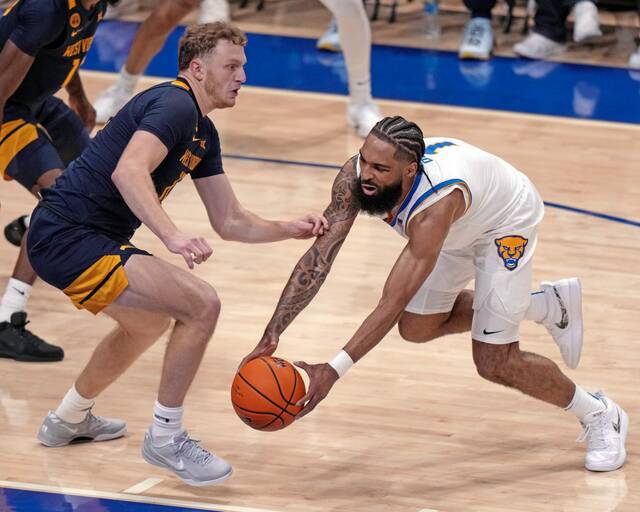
<point>264,393</point>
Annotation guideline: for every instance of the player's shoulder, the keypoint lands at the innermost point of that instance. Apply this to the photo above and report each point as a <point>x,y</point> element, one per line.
<point>44,8</point>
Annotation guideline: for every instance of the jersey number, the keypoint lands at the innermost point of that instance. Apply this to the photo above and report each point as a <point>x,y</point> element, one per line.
<point>74,68</point>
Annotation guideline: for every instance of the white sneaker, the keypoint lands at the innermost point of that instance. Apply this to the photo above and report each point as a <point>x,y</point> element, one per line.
<point>330,40</point>
<point>192,463</point>
<point>605,432</point>
<point>586,23</point>
<point>363,116</point>
<point>536,46</point>
<point>111,101</point>
<point>564,320</point>
<point>477,41</point>
<point>214,10</point>
<point>634,59</point>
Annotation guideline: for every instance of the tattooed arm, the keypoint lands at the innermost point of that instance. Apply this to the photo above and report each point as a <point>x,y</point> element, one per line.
<point>312,269</point>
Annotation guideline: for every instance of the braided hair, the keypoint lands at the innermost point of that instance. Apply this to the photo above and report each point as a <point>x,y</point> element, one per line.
<point>404,135</point>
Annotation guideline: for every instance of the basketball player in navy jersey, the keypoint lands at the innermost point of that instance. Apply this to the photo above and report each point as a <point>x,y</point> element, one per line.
<point>42,44</point>
<point>79,241</point>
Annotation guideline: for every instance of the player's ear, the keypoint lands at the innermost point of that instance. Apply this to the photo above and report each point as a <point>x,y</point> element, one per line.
<point>197,69</point>
<point>411,169</point>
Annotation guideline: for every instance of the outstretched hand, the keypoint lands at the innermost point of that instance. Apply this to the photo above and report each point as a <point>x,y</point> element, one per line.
<point>322,377</point>
<point>267,346</point>
<point>308,226</point>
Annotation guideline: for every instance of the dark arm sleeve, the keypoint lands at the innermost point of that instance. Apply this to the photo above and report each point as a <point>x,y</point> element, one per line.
<point>212,163</point>
<point>170,117</point>
<point>40,22</point>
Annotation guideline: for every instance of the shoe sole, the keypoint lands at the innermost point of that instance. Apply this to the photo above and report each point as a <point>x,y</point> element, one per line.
<point>84,439</point>
<point>575,317</point>
<point>29,359</point>
<point>195,483</point>
<point>328,48</point>
<point>474,56</point>
<point>624,428</point>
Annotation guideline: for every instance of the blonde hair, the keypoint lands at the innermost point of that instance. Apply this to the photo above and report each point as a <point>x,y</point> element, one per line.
<point>199,40</point>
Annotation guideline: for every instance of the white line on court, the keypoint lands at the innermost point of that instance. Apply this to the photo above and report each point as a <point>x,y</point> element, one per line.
<point>128,497</point>
<point>143,486</point>
<point>427,510</point>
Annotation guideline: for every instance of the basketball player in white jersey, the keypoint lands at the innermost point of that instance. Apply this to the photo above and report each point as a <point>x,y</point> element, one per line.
<point>466,214</point>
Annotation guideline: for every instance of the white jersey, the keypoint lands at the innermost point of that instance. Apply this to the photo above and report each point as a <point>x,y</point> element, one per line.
<point>499,198</point>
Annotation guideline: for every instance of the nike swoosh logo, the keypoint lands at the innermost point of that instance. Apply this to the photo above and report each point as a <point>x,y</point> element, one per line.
<point>564,318</point>
<point>19,291</point>
<point>616,426</point>
<point>70,429</point>
<point>484,331</point>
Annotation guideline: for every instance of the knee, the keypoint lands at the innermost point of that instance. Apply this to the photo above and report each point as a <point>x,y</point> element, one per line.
<point>205,308</point>
<point>415,331</point>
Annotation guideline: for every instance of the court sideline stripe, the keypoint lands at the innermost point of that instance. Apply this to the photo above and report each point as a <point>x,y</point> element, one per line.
<point>135,498</point>
<point>550,204</point>
<point>143,486</point>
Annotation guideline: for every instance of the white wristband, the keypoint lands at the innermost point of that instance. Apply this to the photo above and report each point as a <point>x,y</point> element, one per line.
<point>341,363</point>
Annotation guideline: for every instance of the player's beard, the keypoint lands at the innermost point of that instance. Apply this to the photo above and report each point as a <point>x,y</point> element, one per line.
<point>380,203</point>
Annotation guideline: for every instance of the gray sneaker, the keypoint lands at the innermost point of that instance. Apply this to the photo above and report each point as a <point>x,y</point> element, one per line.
<point>187,459</point>
<point>57,432</point>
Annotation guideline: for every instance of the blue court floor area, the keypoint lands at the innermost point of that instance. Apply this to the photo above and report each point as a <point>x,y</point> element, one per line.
<point>409,74</point>
<point>17,500</point>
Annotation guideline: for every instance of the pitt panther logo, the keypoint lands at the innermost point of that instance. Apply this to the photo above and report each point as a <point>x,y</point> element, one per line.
<point>511,249</point>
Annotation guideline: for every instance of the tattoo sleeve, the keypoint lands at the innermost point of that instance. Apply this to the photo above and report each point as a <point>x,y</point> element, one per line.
<point>312,269</point>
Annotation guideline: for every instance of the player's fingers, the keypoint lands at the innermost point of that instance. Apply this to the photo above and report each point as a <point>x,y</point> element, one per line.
<point>188,258</point>
<point>306,398</point>
<point>205,248</point>
<point>303,365</point>
<point>311,405</point>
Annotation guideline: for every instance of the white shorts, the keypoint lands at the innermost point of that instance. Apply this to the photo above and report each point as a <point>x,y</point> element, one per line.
<point>501,266</point>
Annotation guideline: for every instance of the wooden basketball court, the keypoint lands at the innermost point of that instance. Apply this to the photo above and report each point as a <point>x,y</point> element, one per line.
<point>411,427</point>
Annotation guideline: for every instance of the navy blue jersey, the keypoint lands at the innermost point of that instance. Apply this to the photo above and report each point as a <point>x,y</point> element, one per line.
<point>85,193</point>
<point>58,33</point>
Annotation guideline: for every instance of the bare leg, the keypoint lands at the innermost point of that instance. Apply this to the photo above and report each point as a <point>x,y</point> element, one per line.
<point>154,31</point>
<point>137,330</point>
<point>529,373</point>
<point>421,328</point>
<point>164,290</point>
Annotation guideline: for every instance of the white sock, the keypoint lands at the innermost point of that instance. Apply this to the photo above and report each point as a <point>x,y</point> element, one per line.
<point>27,221</point>
<point>74,407</point>
<point>167,422</point>
<point>127,81</point>
<point>538,307</point>
<point>584,403</point>
<point>14,299</point>
<point>355,38</point>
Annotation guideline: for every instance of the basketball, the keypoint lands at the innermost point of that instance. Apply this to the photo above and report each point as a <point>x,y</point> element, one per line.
<point>264,393</point>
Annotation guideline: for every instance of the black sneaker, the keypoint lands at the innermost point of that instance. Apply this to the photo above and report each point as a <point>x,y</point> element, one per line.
<point>15,230</point>
<point>18,343</point>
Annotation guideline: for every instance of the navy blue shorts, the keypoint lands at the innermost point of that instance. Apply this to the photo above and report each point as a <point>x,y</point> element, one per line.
<point>86,264</point>
<point>32,143</point>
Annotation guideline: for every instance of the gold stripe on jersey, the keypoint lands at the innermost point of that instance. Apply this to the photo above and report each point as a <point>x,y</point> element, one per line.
<point>14,137</point>
<point>9,9</point>
<point>178,83</point>
<point>99,285</point>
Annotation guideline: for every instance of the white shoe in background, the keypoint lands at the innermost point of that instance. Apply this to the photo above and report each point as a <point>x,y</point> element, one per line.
<point>363,116</point>
<point>214,10</point>
<point>586,23</point>
<point>537,46</point>
<point>111,101</point>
